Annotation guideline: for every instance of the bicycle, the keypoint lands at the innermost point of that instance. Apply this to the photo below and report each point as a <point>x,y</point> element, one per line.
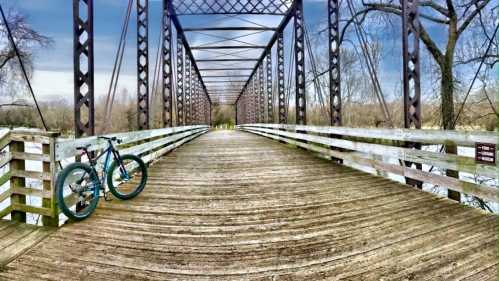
<point>78,186</point>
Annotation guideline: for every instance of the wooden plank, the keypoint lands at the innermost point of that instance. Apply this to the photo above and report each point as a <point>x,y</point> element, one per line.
<point>5,178</point>
<point>30,174</point>
<point>148,146</point>
<point>463,138</point>
<point>67,148</point>
<point>152,156</point>
<point>24,242</point>
<point>32,192</point>
<point>4,140</point>
<point>481,191</point>
<point>18,180</point>
<point>30,156</point>
<point>446,161</point>
<point>32,209</point>
<point>5,212</point>
<point>5,195</point>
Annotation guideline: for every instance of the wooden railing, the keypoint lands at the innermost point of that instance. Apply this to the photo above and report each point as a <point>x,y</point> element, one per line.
<point>368,147</point>
<point>54,152</point>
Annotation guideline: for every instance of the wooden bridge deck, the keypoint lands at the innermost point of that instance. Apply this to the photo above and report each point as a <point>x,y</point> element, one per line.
<point>235,206</point>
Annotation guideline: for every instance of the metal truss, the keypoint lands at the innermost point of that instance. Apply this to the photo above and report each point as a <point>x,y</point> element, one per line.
<point>280,80</point>
<point>83,24</point>
<point>411,74</point>
<point>261,95</point>
<point>143,64</point>
<point>301,105</point>
<point>334,62</point>
<point>213,7</point>
<point>270,97</point>
<point>180,82</point>
<point>188,77</point>
<point>167,57</point>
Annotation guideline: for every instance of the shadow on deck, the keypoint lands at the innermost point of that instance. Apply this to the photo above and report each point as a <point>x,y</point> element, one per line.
<point>235,206</point>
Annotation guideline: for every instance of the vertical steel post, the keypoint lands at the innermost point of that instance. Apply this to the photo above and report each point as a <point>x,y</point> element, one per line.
<point>280,79</point>
<point>334,63</point>
<point>301,98</point>
<point>83,55</point>
<point>180,82</point>
<point>411,74</point>
<point>143,64</point>
<point>270,97</point>
<point>167,55</point>
<point>261,96</point>
<point>188,84</point>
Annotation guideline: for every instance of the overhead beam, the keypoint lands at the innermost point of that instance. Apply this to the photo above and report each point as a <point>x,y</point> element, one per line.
<point>224,69</point>
<point>181,34</point>
<point>224,60</point>
<point>235,28</point>
<point>225,81</point>
<point>224,76</point>
<point>288,16</point>
<point>227,47</point>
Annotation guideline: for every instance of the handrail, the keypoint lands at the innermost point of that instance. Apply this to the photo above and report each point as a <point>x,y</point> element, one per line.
<point>367,154</point>
<point>149,145</point>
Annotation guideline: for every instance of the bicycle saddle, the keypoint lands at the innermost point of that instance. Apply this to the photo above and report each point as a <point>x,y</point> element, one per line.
<point>83,147</point>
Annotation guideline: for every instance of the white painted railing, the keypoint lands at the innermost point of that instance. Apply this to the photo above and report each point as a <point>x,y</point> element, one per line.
<point>14,172</point>
<point>365,147</point>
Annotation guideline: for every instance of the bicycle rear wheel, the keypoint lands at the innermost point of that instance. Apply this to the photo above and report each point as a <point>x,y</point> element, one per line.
<point>77,189</point>
<point>127,181</point>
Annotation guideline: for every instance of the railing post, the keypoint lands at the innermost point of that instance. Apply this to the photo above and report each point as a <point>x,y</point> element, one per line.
<point>49,185</point>
<point>17,181</point>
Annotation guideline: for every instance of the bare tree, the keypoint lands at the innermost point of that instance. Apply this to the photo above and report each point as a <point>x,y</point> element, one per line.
<point>26,39</point>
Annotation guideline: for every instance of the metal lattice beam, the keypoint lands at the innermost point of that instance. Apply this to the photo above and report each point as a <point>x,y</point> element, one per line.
<point>188,77</point>
<point>143,64</point>
<point>261,95</point>
<point>83,40</point>
<point>301,106</point>
<point>270,98</point>
<point>334,63</point>
<point>167,58</point>
<point>411,75</point>
<point>180,82</point>
<point>280,80</point>
<point>215,7</point>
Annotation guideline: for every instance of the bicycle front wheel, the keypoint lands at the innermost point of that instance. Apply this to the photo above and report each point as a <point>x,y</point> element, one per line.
<point>77,189</point>
<point>129,179</point>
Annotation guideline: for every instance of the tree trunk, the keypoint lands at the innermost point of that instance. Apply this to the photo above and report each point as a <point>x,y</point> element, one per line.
<point>448,116</point>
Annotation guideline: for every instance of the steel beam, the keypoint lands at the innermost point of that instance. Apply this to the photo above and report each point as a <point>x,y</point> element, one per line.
<point>411,75</point>
<point>334,63</point>
<point>143,64</point>
<point>261,95</point>
<point>180,82</point>
<point>235,28</point>
<point>270,97</point>
<point>167,58</point>
<point>301,99</point>
<point>236,7</point>
<point>226,60</point>
<point>188,85</point>
<point>83,51</point>
<point>280,29</point>
<point>226,69</point>
<point>280,80</point>
<point>226,47</point>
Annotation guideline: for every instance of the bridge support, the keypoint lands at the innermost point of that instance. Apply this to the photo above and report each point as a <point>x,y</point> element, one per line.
<point>167,57</point>
<point>411,75</point>
<point>280,79</point>
<point>334,63</point>
<point>143,64</point>
<point>180,82</point>
<point>270,97</point>
<point>83,55</point>
<point>301,98</point>
<point>261,95</point>
<point>188,84</point>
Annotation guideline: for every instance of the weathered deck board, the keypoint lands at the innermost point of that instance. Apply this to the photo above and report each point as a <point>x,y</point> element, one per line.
<point>15,238</point>
<point>235,206</point>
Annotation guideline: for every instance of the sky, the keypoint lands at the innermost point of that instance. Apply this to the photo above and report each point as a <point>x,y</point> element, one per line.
<point>54,66</point>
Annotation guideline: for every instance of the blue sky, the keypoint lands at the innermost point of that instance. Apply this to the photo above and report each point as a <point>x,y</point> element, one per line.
<point>53,76</point>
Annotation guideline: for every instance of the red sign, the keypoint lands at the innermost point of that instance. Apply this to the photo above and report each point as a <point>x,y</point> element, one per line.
<point>485,153</point>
